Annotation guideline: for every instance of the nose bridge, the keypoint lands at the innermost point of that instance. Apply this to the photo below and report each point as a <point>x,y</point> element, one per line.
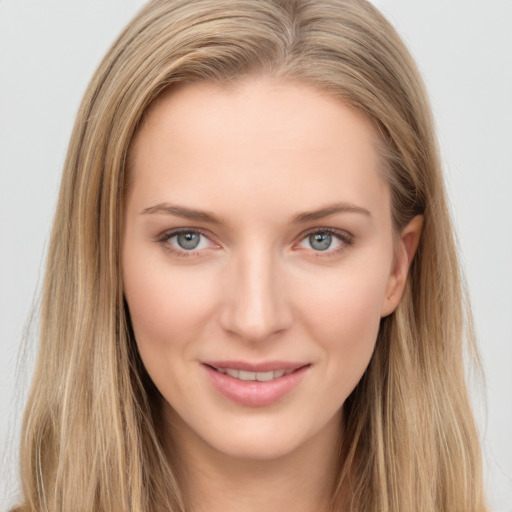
<point>256,305</point>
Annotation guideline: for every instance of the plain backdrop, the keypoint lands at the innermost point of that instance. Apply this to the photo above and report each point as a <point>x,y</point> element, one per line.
<point>48,52</point>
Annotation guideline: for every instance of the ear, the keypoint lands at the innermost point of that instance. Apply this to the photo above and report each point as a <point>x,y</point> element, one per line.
<point>406,248</point>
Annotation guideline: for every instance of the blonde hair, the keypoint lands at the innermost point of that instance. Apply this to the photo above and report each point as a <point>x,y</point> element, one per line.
<point>91,436</point>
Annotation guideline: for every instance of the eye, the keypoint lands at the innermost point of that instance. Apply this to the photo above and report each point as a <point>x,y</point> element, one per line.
<point>326,240</point>
<point>186,242</point>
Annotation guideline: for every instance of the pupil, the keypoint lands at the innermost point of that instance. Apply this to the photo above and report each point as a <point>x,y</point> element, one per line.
<point>320,241</point>
<point>188,240</point>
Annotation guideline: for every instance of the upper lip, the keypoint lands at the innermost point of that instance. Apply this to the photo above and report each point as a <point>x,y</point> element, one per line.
<point>266,366</point>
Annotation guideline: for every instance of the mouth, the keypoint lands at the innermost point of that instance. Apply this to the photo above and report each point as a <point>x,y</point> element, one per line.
<point>245,375</point>
<point>255,384</point>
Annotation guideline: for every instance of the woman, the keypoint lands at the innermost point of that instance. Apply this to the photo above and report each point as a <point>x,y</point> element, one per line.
<point>252,297</point>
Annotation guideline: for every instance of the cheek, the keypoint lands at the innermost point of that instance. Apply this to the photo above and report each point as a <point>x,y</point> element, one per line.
<point>169,309</point>
<point>343,316</point>
<point>168,306</point>
<point>346,300</point>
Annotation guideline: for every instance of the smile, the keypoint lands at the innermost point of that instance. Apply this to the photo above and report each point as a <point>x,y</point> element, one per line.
<point>259,376</point>
<point>255,385</point>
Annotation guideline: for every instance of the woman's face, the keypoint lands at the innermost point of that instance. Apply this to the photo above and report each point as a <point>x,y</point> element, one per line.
<point>258,259</point>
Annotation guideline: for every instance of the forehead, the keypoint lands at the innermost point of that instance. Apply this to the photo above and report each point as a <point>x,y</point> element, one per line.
<point>258,139</point>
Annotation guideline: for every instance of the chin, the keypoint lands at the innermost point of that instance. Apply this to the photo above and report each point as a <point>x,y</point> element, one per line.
<point>258,448</point>
<point>267,438</point>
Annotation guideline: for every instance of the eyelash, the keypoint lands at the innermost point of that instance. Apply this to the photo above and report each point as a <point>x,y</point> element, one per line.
<point>167,235</point>
<point>347,240</point>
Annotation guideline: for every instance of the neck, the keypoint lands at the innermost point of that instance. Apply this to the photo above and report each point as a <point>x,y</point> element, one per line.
<point>302,481</point>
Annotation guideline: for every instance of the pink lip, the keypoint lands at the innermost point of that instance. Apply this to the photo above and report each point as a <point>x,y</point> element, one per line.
<point>268,366</point>
<point>255,393</point>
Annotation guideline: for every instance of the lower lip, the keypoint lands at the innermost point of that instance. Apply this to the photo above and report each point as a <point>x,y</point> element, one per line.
<point>254,393</point>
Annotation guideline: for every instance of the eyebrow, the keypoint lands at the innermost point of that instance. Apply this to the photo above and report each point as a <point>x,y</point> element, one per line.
<point>329,210</point>
<point>186,213</point>
<point>204,216</point>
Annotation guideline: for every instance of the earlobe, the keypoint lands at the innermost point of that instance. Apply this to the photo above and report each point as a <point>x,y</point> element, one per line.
<point>406,249</point>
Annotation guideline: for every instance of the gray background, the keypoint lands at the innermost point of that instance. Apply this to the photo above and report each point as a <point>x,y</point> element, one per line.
<point>48,52</point>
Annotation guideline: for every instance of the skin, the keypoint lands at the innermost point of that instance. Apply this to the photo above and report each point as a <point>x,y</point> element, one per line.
<point>256,154</point>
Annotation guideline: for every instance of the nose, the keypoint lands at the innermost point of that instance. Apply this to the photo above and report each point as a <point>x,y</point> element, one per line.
<point>255,306</point>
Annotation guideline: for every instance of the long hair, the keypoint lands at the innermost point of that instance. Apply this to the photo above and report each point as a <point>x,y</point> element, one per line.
<point>91,436</point>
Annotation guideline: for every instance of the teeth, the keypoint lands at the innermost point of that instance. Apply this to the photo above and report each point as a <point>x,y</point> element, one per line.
<point>265,376</point>
<point>252,376</point>
<point>243,375</point>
